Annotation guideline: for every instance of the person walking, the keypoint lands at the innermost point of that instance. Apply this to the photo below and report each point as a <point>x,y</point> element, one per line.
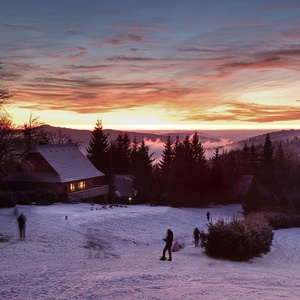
<point>169,240</point>
<point>196,236</point>
<point>22,226</point>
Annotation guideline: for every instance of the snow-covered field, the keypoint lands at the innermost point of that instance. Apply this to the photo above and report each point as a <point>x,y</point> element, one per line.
<point>114,253</point>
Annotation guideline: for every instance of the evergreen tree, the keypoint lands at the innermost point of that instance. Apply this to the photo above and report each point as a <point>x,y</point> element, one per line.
<point>279,158</point>
<point>246,162</point>
<point>217,179</point>
<point>143,173</point>
<point>254,160</point>
<point>200,173</point>
<point>134,156</point>
<point>98,152</point>
<point>166,168</point>
<point>267,161</point>
<point>98,149</point>
<point>198,152</point>
<point>121,154</point>
<point>268,152</point>
<point>167,159</point>
<point>189,173</point>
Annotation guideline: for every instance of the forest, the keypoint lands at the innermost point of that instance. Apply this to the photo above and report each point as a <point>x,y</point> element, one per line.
<point>183,176</point>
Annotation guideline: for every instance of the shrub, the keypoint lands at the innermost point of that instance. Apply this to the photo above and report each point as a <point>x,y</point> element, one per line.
<point>23,197</point>
<point>238,239</point>
<point>45,197</point>
<point>280,220</point>
<point>7,199</point>
<point>38,196</point>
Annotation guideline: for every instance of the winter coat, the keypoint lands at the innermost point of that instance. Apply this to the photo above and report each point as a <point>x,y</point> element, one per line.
<point>22,220</point>
<point>169,238</point>
<point>196,233</point>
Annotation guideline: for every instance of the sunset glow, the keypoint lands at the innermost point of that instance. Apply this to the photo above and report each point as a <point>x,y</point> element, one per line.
<point>153,64</point>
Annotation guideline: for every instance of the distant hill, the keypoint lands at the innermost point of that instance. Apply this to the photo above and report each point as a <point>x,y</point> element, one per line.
<point>282,135</point>
<point>210,139</point>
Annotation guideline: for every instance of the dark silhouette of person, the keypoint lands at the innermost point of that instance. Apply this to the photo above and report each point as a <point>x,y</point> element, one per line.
<point>22,225</point>
<point>208,216</point>
<point>169,240</point>
<point>196,236</point>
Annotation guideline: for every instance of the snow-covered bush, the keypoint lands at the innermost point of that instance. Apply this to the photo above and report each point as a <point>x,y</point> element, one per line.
<point>238,239</point>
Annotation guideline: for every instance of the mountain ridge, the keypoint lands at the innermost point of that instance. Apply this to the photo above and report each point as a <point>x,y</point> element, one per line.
<point>210,139</point>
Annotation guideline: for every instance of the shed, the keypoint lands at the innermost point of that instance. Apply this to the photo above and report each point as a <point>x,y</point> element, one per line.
<point>124,188</point>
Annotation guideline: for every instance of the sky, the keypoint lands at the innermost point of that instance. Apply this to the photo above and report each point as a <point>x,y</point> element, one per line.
<point>135,64</point>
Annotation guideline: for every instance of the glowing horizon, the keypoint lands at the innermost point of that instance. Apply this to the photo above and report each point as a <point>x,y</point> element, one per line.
<point>192,66</point>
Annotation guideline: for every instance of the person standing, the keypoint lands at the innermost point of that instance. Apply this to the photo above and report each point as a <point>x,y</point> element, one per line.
<point>208,216</point>
<point>22,226</point>
<point>196,236</point>
<point>169,240</point>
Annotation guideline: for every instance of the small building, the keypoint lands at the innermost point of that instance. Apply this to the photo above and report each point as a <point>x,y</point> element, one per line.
<point>124,191</point>
<point>62,169</point>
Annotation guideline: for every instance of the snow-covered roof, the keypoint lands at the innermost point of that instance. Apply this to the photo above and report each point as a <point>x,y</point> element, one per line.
<point>67,161</point>
<point>123,185</point>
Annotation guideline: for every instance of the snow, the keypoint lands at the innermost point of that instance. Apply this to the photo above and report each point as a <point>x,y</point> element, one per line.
<point>122,260</point>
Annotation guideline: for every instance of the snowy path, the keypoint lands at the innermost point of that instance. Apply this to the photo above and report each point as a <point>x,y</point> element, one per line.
<point>54,263</point>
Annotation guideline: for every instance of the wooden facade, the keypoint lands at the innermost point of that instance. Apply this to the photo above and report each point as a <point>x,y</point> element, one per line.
<point>62,169</point>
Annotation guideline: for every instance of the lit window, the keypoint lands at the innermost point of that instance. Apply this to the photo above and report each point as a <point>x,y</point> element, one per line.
<point>81,185</point>
<point>72,187</point>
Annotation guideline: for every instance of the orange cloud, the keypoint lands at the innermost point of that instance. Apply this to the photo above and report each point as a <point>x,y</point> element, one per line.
<point>249,112</point>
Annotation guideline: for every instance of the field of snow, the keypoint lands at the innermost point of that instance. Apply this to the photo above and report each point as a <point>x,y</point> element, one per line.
<point>74,252</point>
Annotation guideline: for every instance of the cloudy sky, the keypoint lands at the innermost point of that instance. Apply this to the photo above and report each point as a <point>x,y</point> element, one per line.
<point>136,64</point>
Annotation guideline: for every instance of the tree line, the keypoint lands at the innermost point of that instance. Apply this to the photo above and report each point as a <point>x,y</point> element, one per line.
<point>183,176</point>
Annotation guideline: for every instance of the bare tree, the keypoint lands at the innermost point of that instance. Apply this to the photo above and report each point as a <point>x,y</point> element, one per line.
<point>5,93</point>
<point>31,131</point>
<point>10,145</point>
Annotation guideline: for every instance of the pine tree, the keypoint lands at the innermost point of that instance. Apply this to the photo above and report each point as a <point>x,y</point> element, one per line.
<point>216,170</point>
<point>254,160</point>
<point>199,171</point>
<point>143,173</point>
<point>98,149</point>
<point>134,155</point>
<point>189,173</point>
<point>267,161</point>
<point>121,153</point>
<point>279,158</point>
<point>198,153</point>
<point>167,159</point>
<point>268,152</point>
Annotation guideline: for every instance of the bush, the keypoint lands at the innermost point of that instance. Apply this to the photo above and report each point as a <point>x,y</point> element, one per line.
<point>44,197</point>
<point>280,220</point>
<point>238,239</point>
<point>7,199</point>
<point>38,196</point>
<point>23,197</point>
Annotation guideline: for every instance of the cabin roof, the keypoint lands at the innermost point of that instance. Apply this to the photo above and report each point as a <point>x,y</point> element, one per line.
<point>67,161</point>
